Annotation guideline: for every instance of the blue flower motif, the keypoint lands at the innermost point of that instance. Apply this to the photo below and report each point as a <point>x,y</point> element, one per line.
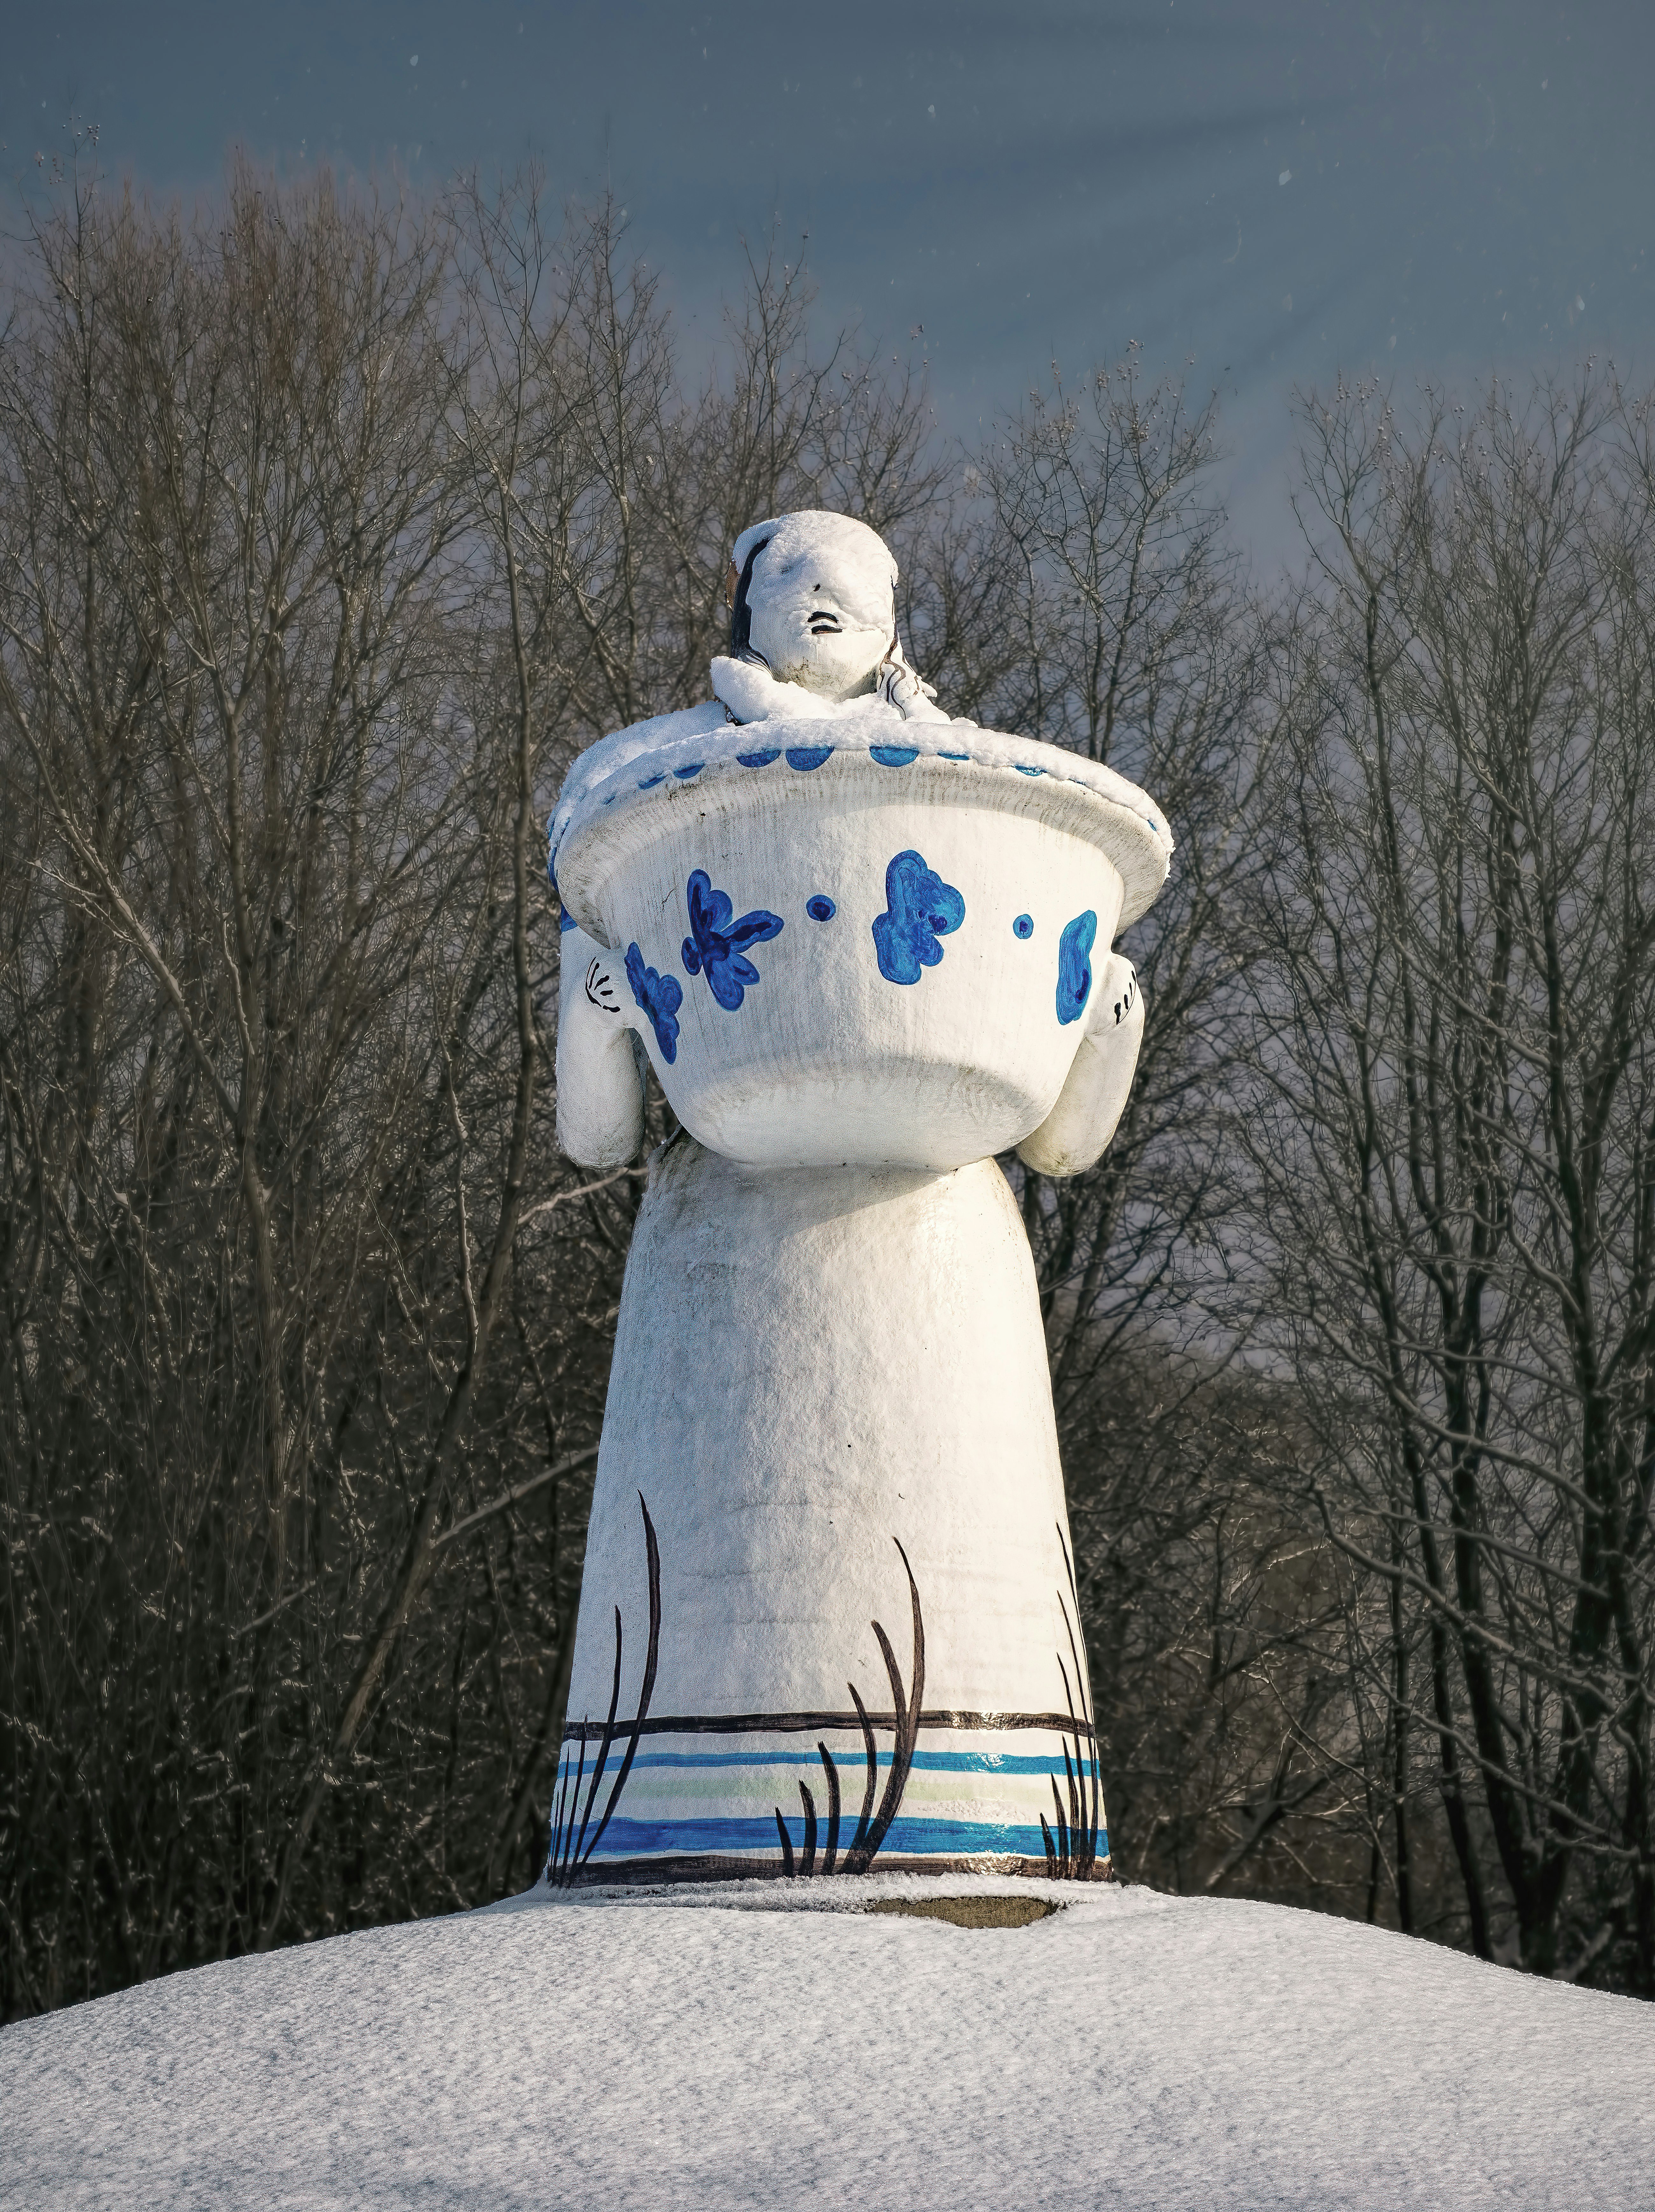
<point>715,941</point>
<point>660,997</point>
<point>920,908</point>
<point>1024,925</point>
<point>821,908</point>
<point>1075,966</point>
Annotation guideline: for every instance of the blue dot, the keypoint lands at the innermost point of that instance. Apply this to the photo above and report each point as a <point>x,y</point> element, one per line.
<point>821,908</point>
<point>760,760</point>
<point>1024,925</point>
<point>1021,770</point>
<point>648,782</point>
<point>693,768</point>
<point>806,757</point>
<point>893,756</point>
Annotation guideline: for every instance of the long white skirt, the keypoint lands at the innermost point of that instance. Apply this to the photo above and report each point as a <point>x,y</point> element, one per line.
<point>828,1620</point>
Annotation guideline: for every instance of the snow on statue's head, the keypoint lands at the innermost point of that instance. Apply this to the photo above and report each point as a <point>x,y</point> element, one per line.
<point>813,596</point>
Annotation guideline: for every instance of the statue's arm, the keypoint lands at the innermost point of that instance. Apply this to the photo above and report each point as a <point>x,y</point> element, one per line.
<point>600,1092</point>
<point>1077,1130</point>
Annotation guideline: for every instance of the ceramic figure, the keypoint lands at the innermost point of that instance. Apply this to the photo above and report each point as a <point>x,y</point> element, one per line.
<point>828,1620</point>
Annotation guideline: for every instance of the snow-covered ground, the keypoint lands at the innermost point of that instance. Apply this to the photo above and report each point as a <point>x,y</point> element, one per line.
<point>711,2049</point>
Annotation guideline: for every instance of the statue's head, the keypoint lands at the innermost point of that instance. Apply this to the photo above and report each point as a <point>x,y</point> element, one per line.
<point>813,596</point>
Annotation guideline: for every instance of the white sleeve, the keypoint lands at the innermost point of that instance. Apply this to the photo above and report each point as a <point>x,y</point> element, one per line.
<point>600,1092</point>
<point>1077,1130</point>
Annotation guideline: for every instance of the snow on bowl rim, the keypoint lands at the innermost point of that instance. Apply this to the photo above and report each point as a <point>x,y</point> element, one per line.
<point>664,759</point>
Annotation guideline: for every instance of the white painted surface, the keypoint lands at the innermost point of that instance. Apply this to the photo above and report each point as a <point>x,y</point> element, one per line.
<point>813,1366</point>
<point>1078,1130</point>
<point>1179,2056</point>
<point>600,1092</point>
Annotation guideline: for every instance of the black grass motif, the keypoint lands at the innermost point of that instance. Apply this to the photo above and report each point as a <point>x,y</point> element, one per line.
<point>570,1848</point>
<point>559,1858</point>
<point>907,1731</point>
<point>832,1772</point>
<point>808,1862</point>
<point>1073,1854</point>
<point>1071,1849</point>
<point>860,1836</point>
<point>872,1828</point>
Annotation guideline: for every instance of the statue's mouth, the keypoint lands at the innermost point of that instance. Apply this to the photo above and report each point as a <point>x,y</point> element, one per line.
<point>824,623</point>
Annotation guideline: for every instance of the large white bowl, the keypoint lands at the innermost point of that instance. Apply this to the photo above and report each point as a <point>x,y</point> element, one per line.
<point>924,914</point>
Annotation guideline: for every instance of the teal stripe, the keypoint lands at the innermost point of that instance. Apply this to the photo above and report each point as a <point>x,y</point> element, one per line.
<point>939,1762</point>
<point>625,1838</point>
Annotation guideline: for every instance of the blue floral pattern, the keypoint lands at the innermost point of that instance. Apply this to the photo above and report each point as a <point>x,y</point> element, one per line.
<point>1075,966</point>
<point>715,945</point>
<point>920,908</point>
<point>660,997</point>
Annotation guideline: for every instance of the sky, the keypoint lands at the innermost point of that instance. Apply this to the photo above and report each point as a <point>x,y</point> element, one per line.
<point>1263,193</point>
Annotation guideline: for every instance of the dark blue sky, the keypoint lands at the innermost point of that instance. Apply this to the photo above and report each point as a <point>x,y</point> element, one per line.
<point>1280,189</point>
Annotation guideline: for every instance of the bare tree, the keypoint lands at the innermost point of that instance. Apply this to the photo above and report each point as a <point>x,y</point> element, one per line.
<point>1451,1134</point>
<point>331,531</point>
<point>263,847</point>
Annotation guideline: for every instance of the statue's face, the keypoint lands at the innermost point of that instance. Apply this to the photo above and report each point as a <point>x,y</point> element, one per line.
<point>822,603</point>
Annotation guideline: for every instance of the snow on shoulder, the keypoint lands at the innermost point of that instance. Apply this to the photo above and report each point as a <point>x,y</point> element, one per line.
<point>707,2048</point>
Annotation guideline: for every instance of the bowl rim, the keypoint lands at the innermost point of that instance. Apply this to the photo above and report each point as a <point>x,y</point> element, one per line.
<point>619,796</point>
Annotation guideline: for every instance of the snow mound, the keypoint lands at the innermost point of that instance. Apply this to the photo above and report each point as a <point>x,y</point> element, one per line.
<point>709,2049</point>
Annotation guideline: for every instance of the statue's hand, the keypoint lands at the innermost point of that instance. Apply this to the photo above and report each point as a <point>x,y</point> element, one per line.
<point>903,688</point>
<point>751,694</point>
<point>600,1093</point>
<point>1077,1130</point>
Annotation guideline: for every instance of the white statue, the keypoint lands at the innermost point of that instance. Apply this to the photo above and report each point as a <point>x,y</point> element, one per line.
<point>828,1619</point>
